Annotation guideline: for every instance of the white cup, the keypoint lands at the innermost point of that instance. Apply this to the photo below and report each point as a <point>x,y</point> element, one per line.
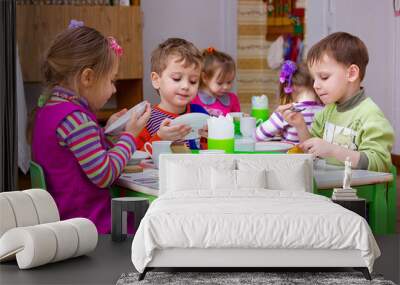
<point>156,148</point>
<point>247,126</point>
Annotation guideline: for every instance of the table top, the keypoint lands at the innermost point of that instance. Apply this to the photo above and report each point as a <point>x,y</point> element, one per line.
<point>145,182</point>
<point>326,177</point>
<point>331,176</point>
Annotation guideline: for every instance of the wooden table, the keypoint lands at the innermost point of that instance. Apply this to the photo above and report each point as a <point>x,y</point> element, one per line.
<point>331,176</point>
<point>379,190</point>
<point>127,180</point>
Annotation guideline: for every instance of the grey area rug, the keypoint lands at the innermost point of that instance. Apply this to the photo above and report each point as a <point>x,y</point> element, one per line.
<point>229,278</point>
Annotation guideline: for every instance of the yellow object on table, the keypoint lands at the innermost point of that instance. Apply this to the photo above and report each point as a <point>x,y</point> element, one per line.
<point>295,149</point>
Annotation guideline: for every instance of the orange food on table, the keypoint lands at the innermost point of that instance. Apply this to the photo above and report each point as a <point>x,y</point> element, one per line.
<point>295,149</point>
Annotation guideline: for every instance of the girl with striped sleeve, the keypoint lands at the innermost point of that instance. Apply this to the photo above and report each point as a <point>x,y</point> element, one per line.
<point>296,87</point>
<point>79,162</point>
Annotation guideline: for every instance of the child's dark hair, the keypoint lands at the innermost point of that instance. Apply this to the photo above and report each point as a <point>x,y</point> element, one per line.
<point>186,51</point>
<point>344,48</point>
<point>302,78</point>
<point>214,60</point>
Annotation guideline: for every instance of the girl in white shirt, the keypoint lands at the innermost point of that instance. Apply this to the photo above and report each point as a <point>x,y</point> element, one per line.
<point>297,87</point>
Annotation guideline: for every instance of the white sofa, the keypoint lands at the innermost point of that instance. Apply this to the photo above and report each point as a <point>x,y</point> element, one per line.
<point>247,210</point>
<point>31,231</point>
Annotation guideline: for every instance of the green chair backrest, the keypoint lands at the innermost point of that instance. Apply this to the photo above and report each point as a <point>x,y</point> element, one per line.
<point>37,176</point>
<point>38,180</point>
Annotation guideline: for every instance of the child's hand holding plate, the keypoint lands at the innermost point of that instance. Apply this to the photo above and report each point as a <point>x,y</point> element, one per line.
<point>170,132</point>
<point>118,125</point>
<point>196,121</point>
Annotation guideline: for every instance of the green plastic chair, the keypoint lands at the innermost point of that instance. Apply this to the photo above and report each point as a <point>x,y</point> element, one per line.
<point>37,176</point>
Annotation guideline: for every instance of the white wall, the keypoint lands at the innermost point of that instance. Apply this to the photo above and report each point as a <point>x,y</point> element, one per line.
<point>374,22</point>
<point>205,23</point>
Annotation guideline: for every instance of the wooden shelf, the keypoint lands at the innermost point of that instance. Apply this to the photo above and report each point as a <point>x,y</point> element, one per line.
<point>37,25</point>
<point>104,114</point>
<point>126,97</point>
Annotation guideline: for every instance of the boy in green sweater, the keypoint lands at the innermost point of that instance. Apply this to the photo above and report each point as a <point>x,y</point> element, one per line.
<point>351,124</point>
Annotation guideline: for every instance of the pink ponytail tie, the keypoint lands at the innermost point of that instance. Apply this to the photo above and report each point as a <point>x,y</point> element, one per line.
<point>115,46</point>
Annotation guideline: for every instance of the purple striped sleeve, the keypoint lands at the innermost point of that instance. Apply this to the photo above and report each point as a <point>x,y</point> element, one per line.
<point>101,165</point>
<point>269,128</point>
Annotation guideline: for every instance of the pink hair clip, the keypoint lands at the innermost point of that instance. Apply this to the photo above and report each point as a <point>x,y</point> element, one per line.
<point>115,46</point>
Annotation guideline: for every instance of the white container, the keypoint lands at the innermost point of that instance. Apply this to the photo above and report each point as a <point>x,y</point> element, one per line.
<point>221,127</point>
<point>259,102</point>
<point>247,126</point>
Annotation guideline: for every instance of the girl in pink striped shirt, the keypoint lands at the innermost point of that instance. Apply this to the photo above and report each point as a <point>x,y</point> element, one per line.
<point>79,162</point>
<point>296,88</point>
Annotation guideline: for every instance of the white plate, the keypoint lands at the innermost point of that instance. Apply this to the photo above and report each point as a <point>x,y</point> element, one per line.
<point>273,146</point>
<point>195,120</point>
<point>120,123</point>
<point>137,157</point>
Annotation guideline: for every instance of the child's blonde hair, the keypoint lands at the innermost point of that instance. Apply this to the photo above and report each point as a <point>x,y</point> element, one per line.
<point>72,51</point>
<point>301,78</point>
<point>186,52</point>
<point>214,60</point>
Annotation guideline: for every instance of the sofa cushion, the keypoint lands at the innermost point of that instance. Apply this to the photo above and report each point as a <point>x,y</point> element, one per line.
<point>7,216</point>
<point>31,232</point>
<point>40,244</point>
<point>26,208</point>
